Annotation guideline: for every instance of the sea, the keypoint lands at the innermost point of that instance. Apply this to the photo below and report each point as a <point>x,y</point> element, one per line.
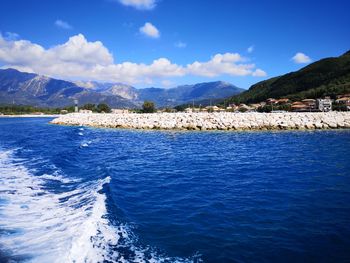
<point>79,194</point>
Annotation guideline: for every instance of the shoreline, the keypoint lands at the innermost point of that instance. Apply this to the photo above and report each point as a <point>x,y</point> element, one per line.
<point>210,121</point>
<point>31,116</point>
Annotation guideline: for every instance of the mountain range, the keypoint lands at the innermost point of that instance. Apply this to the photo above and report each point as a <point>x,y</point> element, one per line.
<point>31,89</point>
<point>326,77</point>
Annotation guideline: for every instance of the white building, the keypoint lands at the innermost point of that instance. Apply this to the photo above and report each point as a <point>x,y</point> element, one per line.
<point>119,111</point>
<point>324,104</point>
<point>85,111</point>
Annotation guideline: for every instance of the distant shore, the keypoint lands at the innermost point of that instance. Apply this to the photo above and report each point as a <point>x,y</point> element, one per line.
<point>31,116</point>
<point>211,121</point>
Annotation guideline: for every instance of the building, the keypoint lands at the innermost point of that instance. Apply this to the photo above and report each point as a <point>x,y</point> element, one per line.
<point>282,101</point>
<point>324,104</point>
<point>310,103</point>
<point>271,101</point>
<point>76,109</point>
<point>188,110</point>
<point>254,106</point>
<point>232,107</point>
<point>299,106</point>
<point>212,108</point>
<point>243,107</point>
<point>343,96</point>
<point>344,101</point>
<point>63,111</point>
<point>85,111</point>
<point>119,111</point>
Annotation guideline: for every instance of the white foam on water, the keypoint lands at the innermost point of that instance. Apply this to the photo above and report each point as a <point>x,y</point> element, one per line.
<point>57,177</point>
<point>49,227</point>
<point>85,144</point>
<point>43,226</point>
<point>80,133</point>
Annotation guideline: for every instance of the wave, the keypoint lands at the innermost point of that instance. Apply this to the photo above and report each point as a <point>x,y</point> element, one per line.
<point>39,225</point>
<point>85,144</point>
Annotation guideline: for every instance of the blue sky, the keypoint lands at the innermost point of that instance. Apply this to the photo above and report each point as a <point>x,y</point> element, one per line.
<point>170,42</point>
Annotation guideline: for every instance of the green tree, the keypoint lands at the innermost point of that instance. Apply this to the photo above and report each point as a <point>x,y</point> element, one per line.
<point>89,106</point>
<point>148,107</point>
<point>103,107</point>
<point>167,109</point>
<point>266,108</point>
<point>181,107</point>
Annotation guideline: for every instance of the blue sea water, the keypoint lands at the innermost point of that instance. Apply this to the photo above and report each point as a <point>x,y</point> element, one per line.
<point>77,194</point>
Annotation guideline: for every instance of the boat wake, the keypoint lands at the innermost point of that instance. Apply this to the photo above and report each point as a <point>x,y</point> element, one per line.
<point>71,224</point>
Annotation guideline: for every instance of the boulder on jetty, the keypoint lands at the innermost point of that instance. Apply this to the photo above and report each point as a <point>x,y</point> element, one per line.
<point>210,121</point>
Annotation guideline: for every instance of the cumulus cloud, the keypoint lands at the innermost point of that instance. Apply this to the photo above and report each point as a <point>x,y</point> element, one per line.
<point>149,30</point>
<point>62,24</point>
<point>228,63</point>
<point>180,44</point>
<point>80,59</point>
<point>250,49</point>
<point>78,50</point>
<point>139,4</point>
<point>259,73</point>
<point>301,58</point>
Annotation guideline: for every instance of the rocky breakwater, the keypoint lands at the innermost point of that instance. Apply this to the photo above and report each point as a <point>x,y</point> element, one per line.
<point>211,121</point>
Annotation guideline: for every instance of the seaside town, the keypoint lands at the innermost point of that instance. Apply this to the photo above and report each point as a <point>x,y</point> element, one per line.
<point>326,104</point>
<point>342,103</point>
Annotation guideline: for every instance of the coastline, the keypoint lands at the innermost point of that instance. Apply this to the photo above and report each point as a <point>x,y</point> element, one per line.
<point>31,116</point>
<point>211,121</point>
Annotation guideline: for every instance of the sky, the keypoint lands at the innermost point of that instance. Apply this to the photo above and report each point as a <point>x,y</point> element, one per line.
<point>165,43</point>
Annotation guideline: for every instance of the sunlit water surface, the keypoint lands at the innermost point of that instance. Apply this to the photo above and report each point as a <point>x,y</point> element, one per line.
<point>74,194</point>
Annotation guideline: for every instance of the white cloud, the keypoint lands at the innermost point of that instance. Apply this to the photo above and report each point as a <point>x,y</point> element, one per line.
<point>78,50</point>
<point>301,58</point>
<point>259,73</point>
<point>180,44</point>
<point>80,59</point>
<point>227,63</point>
<point>62,24</point>
<point>150,30</point>
<point>250,49</point>
<point>167,83</point>
<point>139,4</point>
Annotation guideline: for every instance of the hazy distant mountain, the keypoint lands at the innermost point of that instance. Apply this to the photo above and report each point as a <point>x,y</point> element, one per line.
<point>188,93</point>
<point>119,89</point>
<point>168,97</point>
<point>32,89</point>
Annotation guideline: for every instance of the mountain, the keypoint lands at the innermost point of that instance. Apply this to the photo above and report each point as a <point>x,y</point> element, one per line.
<point>326,77</point>
<point>32,89</point>
<point>36,90</point>
<point>188,93</point>
<point>118,89</point>
<point>166,97</point>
